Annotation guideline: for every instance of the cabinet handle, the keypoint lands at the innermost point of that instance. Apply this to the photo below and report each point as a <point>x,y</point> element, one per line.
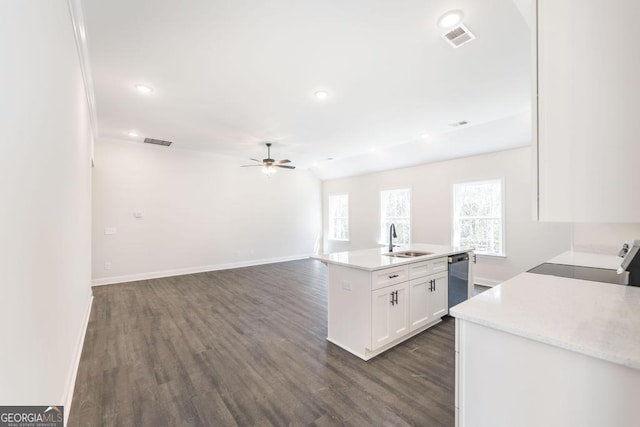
<point>394,297</point>
<point>393,276</point>
<point>432,285</point>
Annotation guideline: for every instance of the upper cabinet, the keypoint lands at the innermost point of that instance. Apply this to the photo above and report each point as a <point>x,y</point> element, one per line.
<point>587,127</point>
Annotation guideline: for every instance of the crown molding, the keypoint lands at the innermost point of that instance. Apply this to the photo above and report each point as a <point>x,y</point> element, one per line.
<point>80,33</point>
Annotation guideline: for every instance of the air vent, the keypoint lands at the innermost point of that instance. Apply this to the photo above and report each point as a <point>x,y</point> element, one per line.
<point>461,123</point>
<point>157,142</point>
<point>458,36</point>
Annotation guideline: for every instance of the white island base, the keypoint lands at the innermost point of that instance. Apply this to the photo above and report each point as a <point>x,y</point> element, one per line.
<point>367,322</point>
<point>366,354</point>
<point>377,301</point>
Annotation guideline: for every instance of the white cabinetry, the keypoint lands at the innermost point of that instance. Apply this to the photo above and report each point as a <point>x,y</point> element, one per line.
<point>588,132</point>
<point>428,293</point>
<point>419,290</point>
<point>439,297</point>
<point>371,311</point>
<point>390,314</point>
<point>505,380</point>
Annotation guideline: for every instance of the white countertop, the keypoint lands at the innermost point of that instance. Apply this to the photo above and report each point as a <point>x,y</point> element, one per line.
<point>593,318</point>
<point>585,259</point>
<point>375,259</point>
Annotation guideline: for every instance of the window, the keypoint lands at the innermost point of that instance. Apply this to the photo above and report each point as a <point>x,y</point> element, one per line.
<point>395,208</point>
<point>478,216</point>
<point>339,217</point>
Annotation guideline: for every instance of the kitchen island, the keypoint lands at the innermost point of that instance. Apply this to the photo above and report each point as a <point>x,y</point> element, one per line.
<point>376,301</point>
<point>546,350</point>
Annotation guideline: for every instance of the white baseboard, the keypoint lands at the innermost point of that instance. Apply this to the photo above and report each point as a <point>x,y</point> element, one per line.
<point>191,270</point>
<point>75,362</point>
<point>482,281</point>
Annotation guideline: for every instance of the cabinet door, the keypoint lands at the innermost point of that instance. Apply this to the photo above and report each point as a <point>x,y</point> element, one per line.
<point>438,296</point>
<point>419,307</point>
<point>587,142</point>
<point>390,314</point>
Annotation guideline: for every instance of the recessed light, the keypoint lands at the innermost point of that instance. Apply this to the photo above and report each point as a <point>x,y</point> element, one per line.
<point>424,135</point>
<point>133,134</point>
<point>321,94</point>
<point>315,163</point>
<point>143,88</point>
<point>450,19</point>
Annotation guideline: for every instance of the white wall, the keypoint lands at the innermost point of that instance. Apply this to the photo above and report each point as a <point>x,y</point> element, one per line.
<point>603,238</point>
<point>45,183</point>
<point>200,212</point>
<point>528,243</point>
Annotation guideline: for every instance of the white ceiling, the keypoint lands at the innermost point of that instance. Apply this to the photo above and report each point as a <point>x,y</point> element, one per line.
<point>230,74</point>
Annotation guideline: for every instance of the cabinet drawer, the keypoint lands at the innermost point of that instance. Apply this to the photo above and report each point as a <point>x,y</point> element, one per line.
<point>424,268</point>
<point>419,269</point>
<point>439,264</point>
<point>389,276</point>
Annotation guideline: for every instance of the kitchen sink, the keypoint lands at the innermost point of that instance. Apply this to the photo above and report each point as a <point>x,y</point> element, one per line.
<point>407,254</point>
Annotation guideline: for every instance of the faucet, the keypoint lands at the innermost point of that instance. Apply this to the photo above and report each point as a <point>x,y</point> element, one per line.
<point>392,234</point>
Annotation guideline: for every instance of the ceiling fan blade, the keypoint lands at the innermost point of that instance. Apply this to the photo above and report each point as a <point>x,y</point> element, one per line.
<point>279,162</point>
<point>256,160</point>
<point>284,166</point>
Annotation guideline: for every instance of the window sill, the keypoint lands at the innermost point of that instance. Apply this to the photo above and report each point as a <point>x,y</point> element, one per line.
<point>338,240</point>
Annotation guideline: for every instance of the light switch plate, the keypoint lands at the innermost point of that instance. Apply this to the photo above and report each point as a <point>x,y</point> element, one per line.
<point>109,230</point>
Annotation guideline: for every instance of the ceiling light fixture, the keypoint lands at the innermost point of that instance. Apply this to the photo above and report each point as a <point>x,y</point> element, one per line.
<point>270,166</point>
<point>143,88</point>
<point>450,19</point>
<point>321,94</point>
<point>269,170</point>
<point>133,134</point>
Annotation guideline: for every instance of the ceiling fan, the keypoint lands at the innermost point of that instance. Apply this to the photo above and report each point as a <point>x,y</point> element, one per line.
<point>269,165</point>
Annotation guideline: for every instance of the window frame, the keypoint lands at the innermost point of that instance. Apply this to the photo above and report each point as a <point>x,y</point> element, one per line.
<point>383,237</point>
<point>329,218</point>
<point>455,217</point>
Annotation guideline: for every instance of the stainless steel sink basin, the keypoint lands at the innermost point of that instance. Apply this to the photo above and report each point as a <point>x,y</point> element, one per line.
<point>407,254</point>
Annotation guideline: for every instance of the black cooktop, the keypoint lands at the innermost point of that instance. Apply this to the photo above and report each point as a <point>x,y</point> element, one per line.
<point>584,273</point>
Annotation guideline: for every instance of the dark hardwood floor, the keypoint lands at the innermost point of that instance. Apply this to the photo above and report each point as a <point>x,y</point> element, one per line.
<point>248,347</point>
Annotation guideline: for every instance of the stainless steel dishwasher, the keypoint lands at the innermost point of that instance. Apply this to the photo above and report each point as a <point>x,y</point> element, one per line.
<point>458,278</point>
